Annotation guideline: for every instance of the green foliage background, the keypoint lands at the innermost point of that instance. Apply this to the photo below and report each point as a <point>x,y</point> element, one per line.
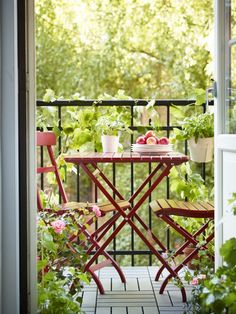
<point>150,49</point>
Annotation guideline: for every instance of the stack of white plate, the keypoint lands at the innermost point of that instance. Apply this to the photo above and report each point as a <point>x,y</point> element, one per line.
<point>152,149</point>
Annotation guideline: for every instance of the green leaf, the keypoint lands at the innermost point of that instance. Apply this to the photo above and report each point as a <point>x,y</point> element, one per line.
<point>41,264</point>
<point>81,137</point>
<point>228,251</point>
<point>47,241</point>
<point>56,130</point>
<point>68,130</point>
<point>231,298</point>
<point>49,96</point>
<point>84,277</point>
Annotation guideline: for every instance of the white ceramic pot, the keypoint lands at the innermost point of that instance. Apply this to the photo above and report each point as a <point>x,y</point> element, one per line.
<point>110,143</point>
<point>202,151</point>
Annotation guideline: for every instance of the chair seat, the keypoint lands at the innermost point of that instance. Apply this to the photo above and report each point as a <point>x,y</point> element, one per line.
<point>180,208</point>
<point>104,207</point>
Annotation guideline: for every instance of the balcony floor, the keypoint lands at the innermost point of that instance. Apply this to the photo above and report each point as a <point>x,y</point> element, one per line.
<point>140,294</point>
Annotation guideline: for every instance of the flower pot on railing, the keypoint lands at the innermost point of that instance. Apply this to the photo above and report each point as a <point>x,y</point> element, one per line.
<point>202,150</point>
<point>110,143</point>
<point>199,131</point>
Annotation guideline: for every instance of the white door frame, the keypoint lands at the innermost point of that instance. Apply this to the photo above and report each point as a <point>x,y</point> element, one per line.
<point>224,143</point>
<point>219,77</point>
<point>31,155</point>
<point>9,159</point>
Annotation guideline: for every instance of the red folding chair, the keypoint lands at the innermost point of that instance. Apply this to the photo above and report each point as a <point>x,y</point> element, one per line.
<point>47,140</point>
<point>166,209</point>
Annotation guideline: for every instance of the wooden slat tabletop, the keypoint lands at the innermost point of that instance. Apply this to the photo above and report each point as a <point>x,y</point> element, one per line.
<point>87,157</point>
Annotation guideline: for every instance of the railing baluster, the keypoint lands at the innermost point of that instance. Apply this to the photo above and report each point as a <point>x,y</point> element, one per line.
<point>167,179</point>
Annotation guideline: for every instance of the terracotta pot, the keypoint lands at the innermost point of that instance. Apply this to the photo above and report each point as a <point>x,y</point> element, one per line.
<point>187,251</point>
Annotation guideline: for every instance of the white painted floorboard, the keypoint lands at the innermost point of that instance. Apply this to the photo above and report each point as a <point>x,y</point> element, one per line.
<point>139,295</point>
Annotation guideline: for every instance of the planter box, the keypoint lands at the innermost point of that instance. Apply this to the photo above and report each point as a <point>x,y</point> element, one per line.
<point>202,151</point>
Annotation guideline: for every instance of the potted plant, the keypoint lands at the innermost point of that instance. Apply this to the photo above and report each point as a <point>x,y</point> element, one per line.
<point>199,131</point>
<point>110,129</point>
<point>214,291</point>
<point>60,264</point>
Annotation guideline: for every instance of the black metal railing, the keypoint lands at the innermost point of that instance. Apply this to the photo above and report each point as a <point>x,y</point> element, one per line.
<point>63,105</point>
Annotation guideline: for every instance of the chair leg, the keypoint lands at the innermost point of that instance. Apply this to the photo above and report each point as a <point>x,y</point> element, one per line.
<point>184,233</point>
<point>186,260</point>
<point>119,270</point>
<point>113,263</point>
<point>97,281</point>
<point>159,272</point>
<point>95,244</point>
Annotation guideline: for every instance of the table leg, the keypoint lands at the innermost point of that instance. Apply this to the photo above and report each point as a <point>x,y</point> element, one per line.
<point>127,218</point>
<point>163,174</point>
<point>102,189</point>
<point>108,182</point>
<point>157,181</point>
<point>145,182</point>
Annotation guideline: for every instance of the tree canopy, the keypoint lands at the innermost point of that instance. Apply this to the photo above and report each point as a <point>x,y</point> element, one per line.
<point>149,49</point>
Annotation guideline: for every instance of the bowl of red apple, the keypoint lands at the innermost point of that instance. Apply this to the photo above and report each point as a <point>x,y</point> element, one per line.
<point>150,143</point>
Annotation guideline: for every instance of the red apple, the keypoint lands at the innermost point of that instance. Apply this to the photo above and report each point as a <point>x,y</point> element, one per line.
<point>157,140</point>
<point>150,134</point>
<point>141,140</point>
<point>163,141</point>
<point>151,140</point>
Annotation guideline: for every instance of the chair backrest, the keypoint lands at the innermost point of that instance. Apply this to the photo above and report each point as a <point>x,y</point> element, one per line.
<point>48,139</point>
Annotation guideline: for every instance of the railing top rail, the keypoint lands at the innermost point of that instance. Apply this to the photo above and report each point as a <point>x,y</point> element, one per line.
<point>118,102</point>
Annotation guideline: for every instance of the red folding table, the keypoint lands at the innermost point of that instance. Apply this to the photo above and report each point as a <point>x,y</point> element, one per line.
<point>90,161</point>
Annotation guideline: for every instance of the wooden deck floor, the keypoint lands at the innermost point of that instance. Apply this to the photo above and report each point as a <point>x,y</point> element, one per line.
<point>140,295</point>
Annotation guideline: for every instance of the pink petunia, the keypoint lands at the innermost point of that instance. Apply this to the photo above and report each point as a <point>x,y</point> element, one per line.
<point>58,225</point>
<point>96,211</point>
<point>194,282</point>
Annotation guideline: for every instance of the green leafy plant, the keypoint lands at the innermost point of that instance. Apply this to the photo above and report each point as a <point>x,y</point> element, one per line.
<point>111,126</point>
<point>82,127</point>
<point>216,291</point>
<point>60,264</point>
<point>187,184</point>
<point>199,126</point>
<point>88,124</point>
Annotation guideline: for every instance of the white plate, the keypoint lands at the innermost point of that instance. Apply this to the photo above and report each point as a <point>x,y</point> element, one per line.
<point>151,153</point>
<point>155,146</point>
<point>152,148</point>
